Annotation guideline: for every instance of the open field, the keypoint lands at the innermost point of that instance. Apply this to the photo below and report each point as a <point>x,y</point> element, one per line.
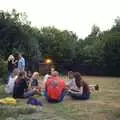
<point>103,105</point>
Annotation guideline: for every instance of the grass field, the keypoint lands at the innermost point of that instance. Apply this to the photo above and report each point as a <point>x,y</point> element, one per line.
<point>103,105</point>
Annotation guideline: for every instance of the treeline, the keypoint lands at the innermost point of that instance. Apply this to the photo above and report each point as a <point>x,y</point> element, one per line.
<point>97,54</point>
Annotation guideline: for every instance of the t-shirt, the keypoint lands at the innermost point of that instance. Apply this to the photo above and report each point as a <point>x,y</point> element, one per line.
<point>21,64</point>
<point>54,87</point>
<point>73,86</point>
<point>45,79</point>
<point>19,88</point>
<point>34,83</point>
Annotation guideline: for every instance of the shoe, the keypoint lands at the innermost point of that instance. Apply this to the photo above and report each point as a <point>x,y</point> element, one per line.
<point>97,87</point>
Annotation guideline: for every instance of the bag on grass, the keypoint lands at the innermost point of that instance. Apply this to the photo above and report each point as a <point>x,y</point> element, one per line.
<point>8,101</point>
<point>34,101</point>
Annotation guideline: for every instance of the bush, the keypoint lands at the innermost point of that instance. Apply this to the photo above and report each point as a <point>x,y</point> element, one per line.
<point>3,71</point>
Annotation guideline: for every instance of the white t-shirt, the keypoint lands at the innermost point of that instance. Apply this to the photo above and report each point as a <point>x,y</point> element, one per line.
<point>73,86</point>
<point>45,79</point>
<point>10,86</point>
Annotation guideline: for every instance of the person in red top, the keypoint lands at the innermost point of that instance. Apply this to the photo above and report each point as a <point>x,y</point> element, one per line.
<point>54,88</point>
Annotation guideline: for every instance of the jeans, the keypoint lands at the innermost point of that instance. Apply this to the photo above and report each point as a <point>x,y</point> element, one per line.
<point>84,96</point>
<point>29,93</point>
<point>53,100</point>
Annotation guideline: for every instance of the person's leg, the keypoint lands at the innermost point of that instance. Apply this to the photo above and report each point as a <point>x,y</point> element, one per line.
<point>79,96</point>
<point>62,96</point>
<point>94,87</point>
<point>29,93</point>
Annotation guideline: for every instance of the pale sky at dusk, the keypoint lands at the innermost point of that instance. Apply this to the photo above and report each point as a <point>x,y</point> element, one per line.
<point>74,15</point>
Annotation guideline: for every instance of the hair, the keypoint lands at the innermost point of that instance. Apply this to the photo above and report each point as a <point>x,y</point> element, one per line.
<point>78,79</point>
<point>16,56</point>
<point>70,73</point>
<point>20,76</point>
<point>15,72</point>
<point>35,75</point>
<point>29,72</point>
<point>55,73</point>
<point>11,57</point>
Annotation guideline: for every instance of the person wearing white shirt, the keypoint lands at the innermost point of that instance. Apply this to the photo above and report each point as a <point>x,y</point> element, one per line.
<point>10,86</point>
<point>21,63</point>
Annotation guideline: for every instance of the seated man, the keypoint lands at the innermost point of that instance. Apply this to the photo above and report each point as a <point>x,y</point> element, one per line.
<point>54,88</point>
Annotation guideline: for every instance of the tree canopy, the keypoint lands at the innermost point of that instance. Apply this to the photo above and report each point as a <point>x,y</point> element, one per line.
<point>97,54</point>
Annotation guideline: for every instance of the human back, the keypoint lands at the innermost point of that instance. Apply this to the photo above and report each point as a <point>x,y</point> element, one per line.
<point>55,86</point>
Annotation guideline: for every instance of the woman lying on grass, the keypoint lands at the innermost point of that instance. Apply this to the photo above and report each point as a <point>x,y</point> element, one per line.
<point>78,88</point>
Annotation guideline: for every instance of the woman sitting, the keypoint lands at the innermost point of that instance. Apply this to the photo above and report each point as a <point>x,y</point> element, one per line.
<point>78,89</point>
<point>34,84</point>
<point>21,88</point>
<point>11,81</point>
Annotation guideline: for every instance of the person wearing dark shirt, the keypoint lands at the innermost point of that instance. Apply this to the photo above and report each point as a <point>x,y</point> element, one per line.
<point>34,84</point>
<point>11,64</point>
<point>78,88</point>
<point>21,87</point>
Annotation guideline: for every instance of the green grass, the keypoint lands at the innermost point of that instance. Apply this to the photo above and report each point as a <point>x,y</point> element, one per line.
<point>103,105</point>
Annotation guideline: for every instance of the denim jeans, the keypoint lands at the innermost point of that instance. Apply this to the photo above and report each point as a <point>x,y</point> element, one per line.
<point>29,93</point>
<point>84,96</point>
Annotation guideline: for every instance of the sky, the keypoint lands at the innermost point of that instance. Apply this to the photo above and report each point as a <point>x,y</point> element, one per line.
<point>73,15</point>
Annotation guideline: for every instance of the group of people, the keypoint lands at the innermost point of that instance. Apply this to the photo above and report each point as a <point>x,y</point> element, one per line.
<point>22,84</point>
<point>15,61</point>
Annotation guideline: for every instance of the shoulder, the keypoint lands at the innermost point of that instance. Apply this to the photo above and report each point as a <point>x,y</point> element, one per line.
<point>22,59</point>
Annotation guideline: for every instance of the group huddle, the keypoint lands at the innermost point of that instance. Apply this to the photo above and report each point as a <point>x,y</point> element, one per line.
<point>24,84</point>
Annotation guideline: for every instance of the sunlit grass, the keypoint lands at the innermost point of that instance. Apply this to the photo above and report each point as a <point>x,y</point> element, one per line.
<point>103,104</point>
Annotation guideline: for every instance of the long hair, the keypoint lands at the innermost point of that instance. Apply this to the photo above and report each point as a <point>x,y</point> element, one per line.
<point>35,76</point>
<point>78,79</point>
<point>11,57</point>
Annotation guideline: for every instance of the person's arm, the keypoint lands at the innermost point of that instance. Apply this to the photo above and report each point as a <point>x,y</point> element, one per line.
<point>80,91</point>
<point>14,61</point>
<point>69,84</point>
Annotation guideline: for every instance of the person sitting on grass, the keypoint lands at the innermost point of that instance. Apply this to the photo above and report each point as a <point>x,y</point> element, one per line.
<point>48,75</point>
<point>71,80</point>
<point>54,88</point>
<point>35,82</point>
<point>28,76</point>
<point>21,88</point>
<point>11,81</point>
<point>78,88</point>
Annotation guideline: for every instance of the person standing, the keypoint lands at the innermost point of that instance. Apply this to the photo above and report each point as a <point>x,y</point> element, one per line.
<point>21,63</point>
<point>11,64</point>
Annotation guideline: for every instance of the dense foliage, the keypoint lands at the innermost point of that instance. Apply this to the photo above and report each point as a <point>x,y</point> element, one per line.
<point>97,54</point>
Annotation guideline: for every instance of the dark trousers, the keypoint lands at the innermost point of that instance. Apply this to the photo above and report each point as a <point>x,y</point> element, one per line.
<point>84,96</point>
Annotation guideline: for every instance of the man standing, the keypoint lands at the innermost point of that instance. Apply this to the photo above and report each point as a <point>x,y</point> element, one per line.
<point>21,63</point>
